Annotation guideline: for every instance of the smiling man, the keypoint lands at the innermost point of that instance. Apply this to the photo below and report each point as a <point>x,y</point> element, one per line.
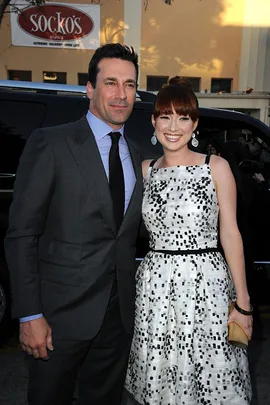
<point>71,241</point>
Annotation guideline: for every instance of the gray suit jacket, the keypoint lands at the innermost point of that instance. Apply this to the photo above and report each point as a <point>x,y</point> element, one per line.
<point>62,247</point>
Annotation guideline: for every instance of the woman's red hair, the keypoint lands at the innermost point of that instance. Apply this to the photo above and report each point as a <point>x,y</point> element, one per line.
<point>177,95</point>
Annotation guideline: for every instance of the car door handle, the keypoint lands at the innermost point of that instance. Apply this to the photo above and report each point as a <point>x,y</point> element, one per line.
<point>7,175</point>
<point>6,183</point>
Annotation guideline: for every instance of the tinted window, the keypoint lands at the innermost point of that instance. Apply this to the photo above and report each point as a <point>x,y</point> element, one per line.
<point>83,107</point>
<point>195,83</point>
<point>249,158</point>
<point>218,85</point>
<point>82,79</point>
<point>23,75</point>
<point>154,83</point>
<point>17,121</point>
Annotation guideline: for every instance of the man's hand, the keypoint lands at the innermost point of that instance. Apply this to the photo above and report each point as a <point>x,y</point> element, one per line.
<point>36,338</point>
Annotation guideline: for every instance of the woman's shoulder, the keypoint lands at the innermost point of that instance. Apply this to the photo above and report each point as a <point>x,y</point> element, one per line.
<point>220,169</point>
<point>145,166</point>
<point>218,163</point>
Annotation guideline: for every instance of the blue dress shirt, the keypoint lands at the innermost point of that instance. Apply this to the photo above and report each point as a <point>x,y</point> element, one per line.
<point>101,132</point>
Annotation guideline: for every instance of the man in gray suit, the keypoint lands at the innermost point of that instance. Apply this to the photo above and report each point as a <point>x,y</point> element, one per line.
<point>71,242</point>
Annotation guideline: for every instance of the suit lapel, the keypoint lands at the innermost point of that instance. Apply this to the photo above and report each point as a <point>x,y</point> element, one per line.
<point>85,151</point>
<point>136,198</point>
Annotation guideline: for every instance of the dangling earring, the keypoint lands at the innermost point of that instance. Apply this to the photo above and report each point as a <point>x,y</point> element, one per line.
<point>194,140</point>
<point>154,139</point>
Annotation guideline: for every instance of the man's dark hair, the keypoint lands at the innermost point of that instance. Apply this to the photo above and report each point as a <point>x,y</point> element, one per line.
<point>111,51</point>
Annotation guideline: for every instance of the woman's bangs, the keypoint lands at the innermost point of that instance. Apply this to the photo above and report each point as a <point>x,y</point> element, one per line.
<point>173,98</point>
<point>183,109</point>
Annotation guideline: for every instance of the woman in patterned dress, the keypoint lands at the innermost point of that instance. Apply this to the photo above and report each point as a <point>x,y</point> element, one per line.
<point>180,353</point>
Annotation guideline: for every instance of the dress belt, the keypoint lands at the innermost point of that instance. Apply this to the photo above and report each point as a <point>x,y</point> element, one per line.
<point>186,252</point>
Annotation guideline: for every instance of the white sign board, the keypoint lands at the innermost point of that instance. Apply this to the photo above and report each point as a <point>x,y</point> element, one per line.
<point>57,25</point>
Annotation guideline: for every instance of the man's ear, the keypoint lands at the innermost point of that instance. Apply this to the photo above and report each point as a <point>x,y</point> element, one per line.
<point>90,90</point>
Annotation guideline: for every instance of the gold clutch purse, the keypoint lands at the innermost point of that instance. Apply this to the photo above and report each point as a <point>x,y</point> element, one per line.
<point>236,333</point>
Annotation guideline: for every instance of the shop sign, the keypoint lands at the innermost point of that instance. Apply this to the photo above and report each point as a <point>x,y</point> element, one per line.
<point>57,25</point>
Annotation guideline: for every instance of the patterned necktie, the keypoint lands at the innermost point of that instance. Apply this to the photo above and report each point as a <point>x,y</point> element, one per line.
<point>116,179</point>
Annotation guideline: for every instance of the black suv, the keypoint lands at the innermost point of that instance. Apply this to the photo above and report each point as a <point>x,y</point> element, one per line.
<point>27,106</point>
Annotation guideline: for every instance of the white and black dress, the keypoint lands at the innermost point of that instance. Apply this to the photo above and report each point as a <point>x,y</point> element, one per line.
<point>180,354</point>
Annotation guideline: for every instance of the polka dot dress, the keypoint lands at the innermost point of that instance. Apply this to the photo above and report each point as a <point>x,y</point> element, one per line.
<point>180,354</point>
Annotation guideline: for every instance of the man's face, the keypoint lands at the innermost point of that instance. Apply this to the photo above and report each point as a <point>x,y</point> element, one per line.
<point>113,97</point>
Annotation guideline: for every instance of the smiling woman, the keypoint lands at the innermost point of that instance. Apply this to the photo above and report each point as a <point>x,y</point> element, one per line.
<point>175,119</point>
<point>184,286</point>
<point>174,131</point>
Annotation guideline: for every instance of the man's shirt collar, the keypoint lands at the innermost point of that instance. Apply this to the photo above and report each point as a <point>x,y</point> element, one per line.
<point>99,128</point>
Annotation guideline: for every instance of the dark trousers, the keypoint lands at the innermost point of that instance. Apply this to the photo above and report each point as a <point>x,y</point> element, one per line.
<point>99,366</point>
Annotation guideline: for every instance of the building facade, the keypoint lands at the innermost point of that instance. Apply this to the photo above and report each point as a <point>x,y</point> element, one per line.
<point>221,45</point>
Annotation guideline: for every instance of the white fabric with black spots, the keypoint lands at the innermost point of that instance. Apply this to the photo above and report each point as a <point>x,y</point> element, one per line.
<point>180,354</point>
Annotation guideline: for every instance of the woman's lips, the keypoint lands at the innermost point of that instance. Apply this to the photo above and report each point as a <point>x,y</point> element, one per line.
<point>172,138</point>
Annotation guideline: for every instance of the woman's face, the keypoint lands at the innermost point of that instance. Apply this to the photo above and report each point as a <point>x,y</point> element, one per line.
<point>173,131</point>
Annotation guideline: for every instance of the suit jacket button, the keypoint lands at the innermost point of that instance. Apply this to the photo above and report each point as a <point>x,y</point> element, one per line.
<point>112,271</point>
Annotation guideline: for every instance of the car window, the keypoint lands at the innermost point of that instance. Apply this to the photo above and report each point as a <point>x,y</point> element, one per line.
<point>63,109</point>
<point>249,158</point>
<point>18,120</point>
<point>82,107</point>
<point>23,117</point>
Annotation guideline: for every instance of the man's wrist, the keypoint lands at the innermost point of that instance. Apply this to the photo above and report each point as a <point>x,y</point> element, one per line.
<point>30,318</point>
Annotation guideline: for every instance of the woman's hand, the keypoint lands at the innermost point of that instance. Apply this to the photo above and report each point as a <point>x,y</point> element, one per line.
<point>245,321</point>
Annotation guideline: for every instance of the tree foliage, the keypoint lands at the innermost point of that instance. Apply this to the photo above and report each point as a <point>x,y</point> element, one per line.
<point>4,6</point>
<point>146,2</point>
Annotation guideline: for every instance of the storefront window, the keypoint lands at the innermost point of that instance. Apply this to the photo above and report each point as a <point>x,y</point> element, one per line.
<point>195,83</point>
<point>82,79</point>
<point>221,85</point>
<point>23,75</point>
<point>55,77</point>
<point>154,83</point>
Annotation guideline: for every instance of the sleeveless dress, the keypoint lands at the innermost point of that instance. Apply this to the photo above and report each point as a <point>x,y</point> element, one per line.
<point>180,354</point>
